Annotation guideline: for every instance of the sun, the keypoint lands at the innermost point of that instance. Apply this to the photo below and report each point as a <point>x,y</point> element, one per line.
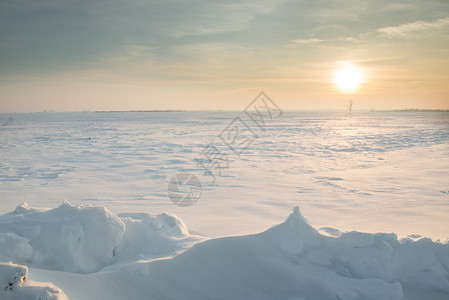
<point>348,77</point>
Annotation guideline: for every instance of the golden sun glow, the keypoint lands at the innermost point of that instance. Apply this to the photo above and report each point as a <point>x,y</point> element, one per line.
<point>348,77</point>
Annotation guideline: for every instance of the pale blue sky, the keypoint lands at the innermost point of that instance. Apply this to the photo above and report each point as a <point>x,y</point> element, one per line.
<point>117,55</point>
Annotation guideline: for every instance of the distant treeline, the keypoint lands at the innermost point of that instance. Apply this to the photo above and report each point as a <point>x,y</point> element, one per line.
<point>412,110</point>
<point>120,111</point>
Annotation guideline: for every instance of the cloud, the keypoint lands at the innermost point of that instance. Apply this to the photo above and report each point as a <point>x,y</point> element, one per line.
<point>414,28</point>
<point>307,41</point>
<point>329,41</point>
<point>205,18</point>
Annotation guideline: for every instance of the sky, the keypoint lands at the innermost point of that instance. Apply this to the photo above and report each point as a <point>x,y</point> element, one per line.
<point>67,55</point>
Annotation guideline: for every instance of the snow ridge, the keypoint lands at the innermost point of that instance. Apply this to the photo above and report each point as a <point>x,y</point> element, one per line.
<point>291,260</point>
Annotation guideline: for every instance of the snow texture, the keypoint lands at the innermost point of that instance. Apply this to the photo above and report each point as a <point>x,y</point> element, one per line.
<point>353,176</point>
<point>370,172</point>
<point>289,261</point>
<point>84,239</point>
<point>15,286</point>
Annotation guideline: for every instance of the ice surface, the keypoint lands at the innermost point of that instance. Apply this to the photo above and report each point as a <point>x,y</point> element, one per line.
<point>289,261</point>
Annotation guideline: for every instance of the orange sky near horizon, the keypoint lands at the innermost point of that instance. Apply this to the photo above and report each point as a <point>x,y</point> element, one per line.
<point>143,56</point>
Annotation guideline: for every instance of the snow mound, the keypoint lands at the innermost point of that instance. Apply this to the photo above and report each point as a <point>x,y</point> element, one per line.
<point>290,261</point>
<point>23,209</point>
<point>294,234</point>
<point>85,239</point>
<point>14,285</point>
<point>67,238</point>
<point>150,236</point>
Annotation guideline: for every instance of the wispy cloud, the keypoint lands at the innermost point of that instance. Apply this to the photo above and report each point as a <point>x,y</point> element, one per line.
<point>327,42</point>
<point>307,41</point>
<point>414,27</point>
<point>220,17</point>
<point>406,30</point>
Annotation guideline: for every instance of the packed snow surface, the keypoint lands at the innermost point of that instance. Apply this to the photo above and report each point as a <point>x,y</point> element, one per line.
<point>145,256</point>
<point>370,172</point>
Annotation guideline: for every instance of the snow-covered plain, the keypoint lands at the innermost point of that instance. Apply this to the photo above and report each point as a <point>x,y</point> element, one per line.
<point>370,172</point>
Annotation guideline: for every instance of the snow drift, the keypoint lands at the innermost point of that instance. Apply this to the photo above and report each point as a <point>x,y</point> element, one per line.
<point>293,261</point>
<point>84,239</point>
<point>68,238</point>
<point>289,261</point>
